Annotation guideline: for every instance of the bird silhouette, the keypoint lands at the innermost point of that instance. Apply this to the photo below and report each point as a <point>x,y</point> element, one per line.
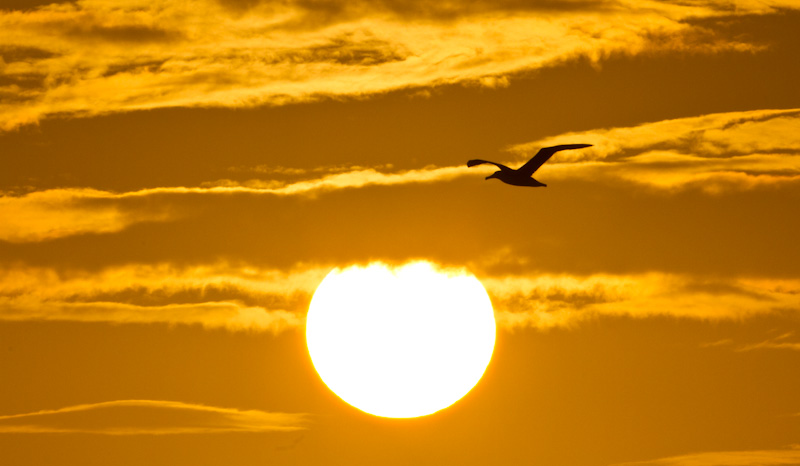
<point>523,176</point>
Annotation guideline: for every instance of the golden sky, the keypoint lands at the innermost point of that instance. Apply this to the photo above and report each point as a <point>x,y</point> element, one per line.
<point>177,177</point>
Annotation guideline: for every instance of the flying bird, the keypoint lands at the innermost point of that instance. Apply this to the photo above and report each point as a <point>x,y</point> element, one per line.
<point>523,176</point>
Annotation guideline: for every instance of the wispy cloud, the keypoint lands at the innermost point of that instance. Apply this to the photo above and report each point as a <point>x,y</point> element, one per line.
<point>213,296</point>
<point>149,417</point>
<point>712,135</point>
<point>55,213</point>
<point>544,301</point>
<point>716,152</point>
<point>294,171</point>
<point>98,56</point>
<point>717,344</point>
<point>228,315</point>
<point>44,215</point>
<point>782,341</point>
<point>772,345</point>
<point>248,298</point>
<point>354,178</point>
<point>728,458</point>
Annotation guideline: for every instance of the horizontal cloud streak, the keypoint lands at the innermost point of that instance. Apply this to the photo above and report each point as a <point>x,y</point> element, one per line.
<point>217,296</point>
<point>783,341</point>
<point>714,135</point>
<point>727,458</point>
<point>715,153</point>
<point>149,417</point>
<point>100,56</point>
<point>247,298</point>
<point>772,345</point>
<point>55,213</point>
<point>51,214</point>
<point>546,301</point>
<point>228,315</point>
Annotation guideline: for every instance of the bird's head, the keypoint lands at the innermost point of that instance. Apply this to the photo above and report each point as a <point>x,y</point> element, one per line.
<point>493,175</point>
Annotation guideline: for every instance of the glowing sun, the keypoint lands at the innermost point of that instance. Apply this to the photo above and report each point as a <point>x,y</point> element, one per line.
<point>400,342</point>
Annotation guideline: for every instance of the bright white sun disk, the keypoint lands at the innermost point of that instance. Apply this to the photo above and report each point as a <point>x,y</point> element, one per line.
<point>401,342</point>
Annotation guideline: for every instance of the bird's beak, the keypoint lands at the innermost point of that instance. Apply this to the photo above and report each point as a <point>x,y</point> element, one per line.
<point>490,176</point>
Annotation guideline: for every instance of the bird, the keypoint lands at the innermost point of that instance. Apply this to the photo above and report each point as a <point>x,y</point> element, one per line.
<point>523,176</point>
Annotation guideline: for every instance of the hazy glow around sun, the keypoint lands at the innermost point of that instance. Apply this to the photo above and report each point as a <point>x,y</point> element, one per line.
<point>400,342</point>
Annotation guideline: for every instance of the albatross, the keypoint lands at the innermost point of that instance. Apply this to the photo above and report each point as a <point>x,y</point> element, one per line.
<point>523,176</point>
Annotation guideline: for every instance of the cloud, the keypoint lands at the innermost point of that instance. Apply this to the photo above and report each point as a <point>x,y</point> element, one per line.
<point>728,458</point>
<point>102,56</point>
<point>545,301</point>
<point>293,171</point>
<point>783,341</point>
<point>44,215</point>
<point>149,417</point>
<point>356,177</point>
<point>716,152</point>
<point>56,213</point>
<point>214,296</point>
<point>242,297</point>
<point>718,135</point>
<point>228,315</point>
<point>772,345</point>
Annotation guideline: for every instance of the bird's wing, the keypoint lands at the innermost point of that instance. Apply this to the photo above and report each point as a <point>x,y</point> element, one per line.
<point>544,155</point>
<point>474,162</point>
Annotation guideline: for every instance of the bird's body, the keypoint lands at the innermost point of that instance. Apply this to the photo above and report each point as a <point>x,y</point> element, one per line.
<point>523,176</point>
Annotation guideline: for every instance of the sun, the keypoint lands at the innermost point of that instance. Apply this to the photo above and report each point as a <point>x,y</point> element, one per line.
<point>400,342</point>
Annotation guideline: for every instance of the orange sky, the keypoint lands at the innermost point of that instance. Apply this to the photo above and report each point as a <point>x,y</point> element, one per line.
<point>178,177</point>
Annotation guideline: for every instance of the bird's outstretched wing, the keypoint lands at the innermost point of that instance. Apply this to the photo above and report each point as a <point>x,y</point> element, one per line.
<point>543,156</point>
<point>474,162</point>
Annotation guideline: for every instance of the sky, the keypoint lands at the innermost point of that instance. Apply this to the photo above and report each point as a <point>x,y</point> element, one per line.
<point>179,176</point>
